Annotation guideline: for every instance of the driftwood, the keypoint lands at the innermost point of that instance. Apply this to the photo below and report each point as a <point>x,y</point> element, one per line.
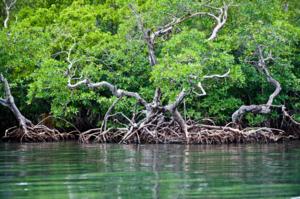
<point>26,131</point>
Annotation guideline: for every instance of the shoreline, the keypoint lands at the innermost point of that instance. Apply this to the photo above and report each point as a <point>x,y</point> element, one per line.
<point>199,134</point>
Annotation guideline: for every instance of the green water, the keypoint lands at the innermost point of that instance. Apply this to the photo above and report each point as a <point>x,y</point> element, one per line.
<point>71,170</point>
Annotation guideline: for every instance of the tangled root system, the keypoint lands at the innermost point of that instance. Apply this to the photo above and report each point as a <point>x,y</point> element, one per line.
<point>37,133</point>
<point>198,134</point>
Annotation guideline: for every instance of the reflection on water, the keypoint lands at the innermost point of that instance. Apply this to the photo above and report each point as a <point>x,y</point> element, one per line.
<point>71,170</point>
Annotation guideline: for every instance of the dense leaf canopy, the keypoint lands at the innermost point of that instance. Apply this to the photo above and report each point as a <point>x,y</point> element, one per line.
<point>105,40</point>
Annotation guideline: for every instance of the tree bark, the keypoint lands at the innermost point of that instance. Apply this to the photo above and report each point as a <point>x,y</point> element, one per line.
<point>262,108</point>
<point>173,109</point>
<point>10,103</point>
<point>221,20</point>
<point>150,36</point>
<point>8,5</point>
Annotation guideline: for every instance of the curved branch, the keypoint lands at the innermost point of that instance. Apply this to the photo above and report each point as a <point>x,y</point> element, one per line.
<point>263,108</point>
<point>8,5</point>
<point>10,103</point>
<point>199,85</point>
<point>262,66</point>
<point>203,92</point>
<point>150,36</point>
<point>221,20</point>
<point>107,114</point>
<point>217,75</point>
<point>113,89</point>
<point>172,108</point>
<point>3,102</point>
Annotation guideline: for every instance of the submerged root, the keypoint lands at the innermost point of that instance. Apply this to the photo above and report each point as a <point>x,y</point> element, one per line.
<point>37,133</point>
<point>198,134</point>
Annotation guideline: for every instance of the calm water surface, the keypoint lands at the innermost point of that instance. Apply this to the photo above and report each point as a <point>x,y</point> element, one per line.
<point>71,170</point>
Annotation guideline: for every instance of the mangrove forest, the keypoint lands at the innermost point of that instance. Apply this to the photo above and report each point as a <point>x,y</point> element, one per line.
<point>150,71</point>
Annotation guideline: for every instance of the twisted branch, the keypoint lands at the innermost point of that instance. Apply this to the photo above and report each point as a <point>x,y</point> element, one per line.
<point>261,65</point>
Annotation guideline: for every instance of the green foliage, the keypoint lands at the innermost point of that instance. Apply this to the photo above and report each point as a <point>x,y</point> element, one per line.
<point>110,47</point>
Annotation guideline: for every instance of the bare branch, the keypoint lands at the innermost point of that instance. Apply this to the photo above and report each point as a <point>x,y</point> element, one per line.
<point>262,65</point>
<point>178,100</point>
<point>172,108</point>
<point>3,102</point>
<point>199,85</point>
<point>203,92</point>
<point>107,114</point>
<point>217,75</point>
<point>150,36</point>
<point>8,6</point>
<point>10,103</point>
<point>114,90</point>
<point>221,20</point>
<point>263,108</point>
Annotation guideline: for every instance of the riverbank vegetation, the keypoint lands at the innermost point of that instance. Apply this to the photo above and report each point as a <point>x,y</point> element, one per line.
<point>149,71</point>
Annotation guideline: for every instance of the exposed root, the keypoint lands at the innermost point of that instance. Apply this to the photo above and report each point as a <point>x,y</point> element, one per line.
<point>168,132</point>
<point>37,133</point>
<point>26,131</point>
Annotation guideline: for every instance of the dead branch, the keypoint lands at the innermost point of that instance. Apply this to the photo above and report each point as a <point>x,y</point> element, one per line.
<point>217,75</point>
<point>114,90</point>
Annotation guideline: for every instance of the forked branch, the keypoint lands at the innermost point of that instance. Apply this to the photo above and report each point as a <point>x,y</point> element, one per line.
<point>199,84</point>
<point>220,19</point>
<point>102,84</point>
<point>151,35</point>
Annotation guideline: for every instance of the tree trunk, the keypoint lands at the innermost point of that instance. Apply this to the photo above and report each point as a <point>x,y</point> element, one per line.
<point>10,103</point>
<point>262,108</point>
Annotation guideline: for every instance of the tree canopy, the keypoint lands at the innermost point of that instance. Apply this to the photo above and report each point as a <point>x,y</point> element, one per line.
<point>109,40</point>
